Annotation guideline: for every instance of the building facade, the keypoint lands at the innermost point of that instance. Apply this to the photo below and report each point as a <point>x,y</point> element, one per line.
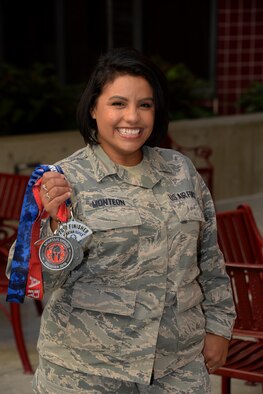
<point>220,41</point>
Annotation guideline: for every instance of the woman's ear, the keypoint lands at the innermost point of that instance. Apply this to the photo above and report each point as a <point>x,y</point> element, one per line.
<point>92,112</point>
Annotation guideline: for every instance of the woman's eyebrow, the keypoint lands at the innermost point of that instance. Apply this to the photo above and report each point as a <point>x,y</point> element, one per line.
<point>124,98</point>
<point>118,97</point>
<point>147,98</point>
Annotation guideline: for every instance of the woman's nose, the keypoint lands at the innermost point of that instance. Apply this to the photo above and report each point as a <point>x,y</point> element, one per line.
<point>131,114</point>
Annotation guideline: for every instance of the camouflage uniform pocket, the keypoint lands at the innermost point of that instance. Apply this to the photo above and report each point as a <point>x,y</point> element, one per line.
<point>115,239</point>
<point>103,299</point>
<point>99,317</point>
<point>107,218</point>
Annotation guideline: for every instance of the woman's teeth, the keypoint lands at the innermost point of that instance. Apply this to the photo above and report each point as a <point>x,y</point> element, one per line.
<point>125,131</point>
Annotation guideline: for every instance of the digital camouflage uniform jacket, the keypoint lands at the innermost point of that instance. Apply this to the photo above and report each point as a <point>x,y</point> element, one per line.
<point>152,281</point>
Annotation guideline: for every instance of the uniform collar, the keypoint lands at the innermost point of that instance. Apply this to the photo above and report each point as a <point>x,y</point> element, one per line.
<point>153,167</point>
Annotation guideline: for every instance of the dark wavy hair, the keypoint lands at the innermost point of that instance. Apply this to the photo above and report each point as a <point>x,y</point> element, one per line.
<point>123,61</point>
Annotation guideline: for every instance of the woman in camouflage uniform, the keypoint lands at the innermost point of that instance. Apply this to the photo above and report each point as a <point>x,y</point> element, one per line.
<point>149,309</point>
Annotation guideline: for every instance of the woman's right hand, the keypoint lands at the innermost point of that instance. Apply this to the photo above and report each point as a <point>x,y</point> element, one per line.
<point>54,191</point>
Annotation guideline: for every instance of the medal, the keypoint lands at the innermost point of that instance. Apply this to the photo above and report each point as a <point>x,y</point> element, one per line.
<point>74,229</point>
<point>78,252</point>
<point>56,253</point>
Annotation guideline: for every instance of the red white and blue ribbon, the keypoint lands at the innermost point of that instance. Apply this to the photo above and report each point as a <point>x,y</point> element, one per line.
<point>26,270</point>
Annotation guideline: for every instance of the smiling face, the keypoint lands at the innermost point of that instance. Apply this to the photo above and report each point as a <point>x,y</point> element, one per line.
<point>124,113</point>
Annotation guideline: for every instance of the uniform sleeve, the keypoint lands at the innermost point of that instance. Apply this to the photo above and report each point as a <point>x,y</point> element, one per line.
<point>218,305</point>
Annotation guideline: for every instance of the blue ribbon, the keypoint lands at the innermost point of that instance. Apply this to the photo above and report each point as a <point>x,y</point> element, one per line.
<point>29,212</point>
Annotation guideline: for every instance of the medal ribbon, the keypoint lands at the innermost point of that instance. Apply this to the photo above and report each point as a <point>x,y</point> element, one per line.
<point>26,272</point>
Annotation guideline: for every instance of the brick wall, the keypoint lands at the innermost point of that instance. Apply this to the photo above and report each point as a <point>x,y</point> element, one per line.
<point>239,50</point>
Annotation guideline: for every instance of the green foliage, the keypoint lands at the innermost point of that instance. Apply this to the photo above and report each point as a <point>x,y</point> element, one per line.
<point>33,100</point>
<point>251,100</point>
<point>188,95</point>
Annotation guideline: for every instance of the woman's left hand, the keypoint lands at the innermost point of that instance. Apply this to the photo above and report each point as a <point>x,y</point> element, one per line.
<point>215,351</point>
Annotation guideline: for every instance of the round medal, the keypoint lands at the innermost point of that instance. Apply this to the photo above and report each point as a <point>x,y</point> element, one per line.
<point>78,252</point>
<point>56,253</point>
<point>74,229</point>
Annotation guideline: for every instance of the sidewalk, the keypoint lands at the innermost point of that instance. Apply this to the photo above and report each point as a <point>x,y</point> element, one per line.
<point>12,378</point>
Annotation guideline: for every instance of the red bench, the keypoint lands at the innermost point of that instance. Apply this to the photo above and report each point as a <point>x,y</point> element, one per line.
<point>241,244</point>
<point>12,189</point>
<point>238,235</point>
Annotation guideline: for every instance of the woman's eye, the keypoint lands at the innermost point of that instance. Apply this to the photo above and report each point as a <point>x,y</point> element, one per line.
<point>118,104</point>
<point>146,105</point>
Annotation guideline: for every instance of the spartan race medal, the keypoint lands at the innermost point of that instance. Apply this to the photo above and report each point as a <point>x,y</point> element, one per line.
<point>74,229</point>
<point>64,247</point>
<point>56,253</point>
